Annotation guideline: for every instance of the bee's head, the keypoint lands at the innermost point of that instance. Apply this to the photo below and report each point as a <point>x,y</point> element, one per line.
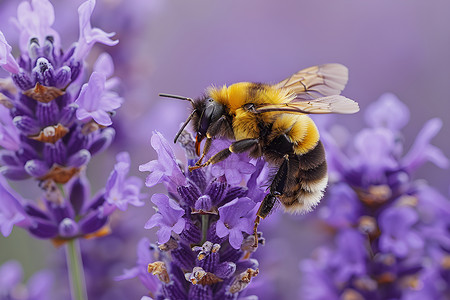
<point>205,112</point>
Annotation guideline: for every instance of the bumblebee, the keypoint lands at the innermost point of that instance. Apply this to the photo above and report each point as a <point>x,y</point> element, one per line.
<point>272,122</point>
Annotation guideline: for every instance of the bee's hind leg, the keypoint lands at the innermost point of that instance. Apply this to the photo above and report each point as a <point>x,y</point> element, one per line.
<point>236,147</point>
<point>276,189</point>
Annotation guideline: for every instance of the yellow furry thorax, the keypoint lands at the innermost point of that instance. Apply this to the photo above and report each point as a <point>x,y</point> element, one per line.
<point>238,94</point>
<point>300,129</point>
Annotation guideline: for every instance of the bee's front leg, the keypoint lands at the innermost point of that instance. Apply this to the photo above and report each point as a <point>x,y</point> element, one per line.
<point>205,150</point>
<point>236,147</point>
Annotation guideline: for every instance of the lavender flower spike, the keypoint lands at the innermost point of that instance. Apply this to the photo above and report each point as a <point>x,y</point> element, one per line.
<point>205,229</point>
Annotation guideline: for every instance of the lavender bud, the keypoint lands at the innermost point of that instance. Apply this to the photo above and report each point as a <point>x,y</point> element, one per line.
<point>47,113</point>
<point>8,157</point>
<point>26,124</point>
<point>78,193</point>
<point>37,74</point>
<point>55,153</point>
<point>44,229</point>
<point>103,142</point>
<point>68,228</point>
<point>36,168</point>
<point>92,222</point>
<point>203,203</point>
<point>183,257</point>
<point>81,158</point>
<point>62,77</point>
<point>13,172</point>
<point>23,81</point>
<point>33,211</point>
<point>67,115</point>
<point>75,67</point>
<point>225,269</point>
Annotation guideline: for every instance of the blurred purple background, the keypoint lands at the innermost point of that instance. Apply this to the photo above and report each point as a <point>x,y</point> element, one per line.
<point>181,47</point>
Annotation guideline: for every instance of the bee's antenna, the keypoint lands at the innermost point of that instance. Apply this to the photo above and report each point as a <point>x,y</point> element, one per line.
<point>176,97</point>
<point>184,125</point>
<point>188,119</point>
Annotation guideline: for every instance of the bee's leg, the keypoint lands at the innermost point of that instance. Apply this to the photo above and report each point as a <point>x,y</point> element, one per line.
<point>236,147</point>
<point>213,130</point>
<point>205,150</point>
<point>276,189</point>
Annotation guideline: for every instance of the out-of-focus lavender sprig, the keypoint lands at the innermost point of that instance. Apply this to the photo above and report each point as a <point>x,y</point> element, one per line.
<point>204,230</point>
<point>391,231</point>
<point>51,124</point>
<point>38,286</point>
<point>53,120</point>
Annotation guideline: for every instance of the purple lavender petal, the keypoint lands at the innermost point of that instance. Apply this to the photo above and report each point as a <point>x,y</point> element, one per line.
<point>375,155</point>
<point>422,151</point>
<point>388,111</point>
<point>166,167</point>
<point>233,221</point>
<point>7,61</point>
<point>35,21</point>
<point>350,259</point>
<point>88,35</point>
<point>92,102</point>
<point>11,210</point>
<point>168,218</point>
<point>104,65</point>
<point>121,191</point>
<point>398,236</point>
<point>9,135</point>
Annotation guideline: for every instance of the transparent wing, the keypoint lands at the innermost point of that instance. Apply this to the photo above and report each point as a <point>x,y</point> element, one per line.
<point>326,105</point>
<point>316,82</point>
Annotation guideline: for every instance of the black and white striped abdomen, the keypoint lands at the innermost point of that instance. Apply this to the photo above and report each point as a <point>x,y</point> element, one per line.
<point>307,180</point>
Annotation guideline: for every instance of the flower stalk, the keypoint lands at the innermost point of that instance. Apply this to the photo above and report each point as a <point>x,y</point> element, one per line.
<point>75,270</point>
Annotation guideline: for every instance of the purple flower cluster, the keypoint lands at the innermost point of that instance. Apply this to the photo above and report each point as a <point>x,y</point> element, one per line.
<point>204,230</point>
<point>52,124</point>
<point>391,232</point>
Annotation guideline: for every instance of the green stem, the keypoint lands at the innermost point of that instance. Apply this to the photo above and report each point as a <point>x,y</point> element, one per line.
<point>76,271</point>
<point>205,224</point>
